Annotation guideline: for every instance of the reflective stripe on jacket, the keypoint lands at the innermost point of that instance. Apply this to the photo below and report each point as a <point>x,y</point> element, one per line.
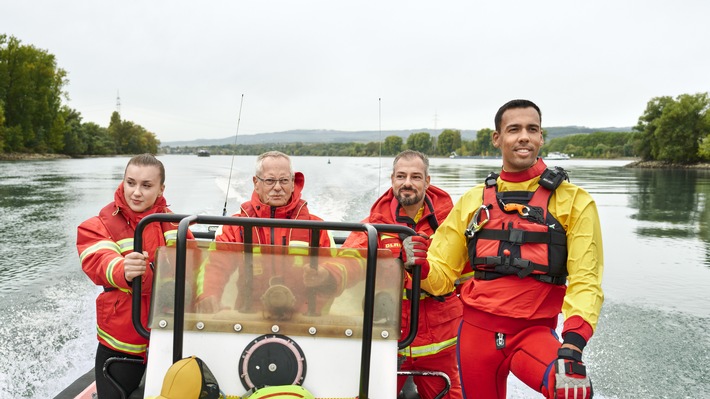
<point>102,242</point>
<point>215,273</point>
<point>438,320</point>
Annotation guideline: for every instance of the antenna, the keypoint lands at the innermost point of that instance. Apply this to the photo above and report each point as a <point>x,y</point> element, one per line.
<point>229,181</point>
<point>118,103</point>
<point>379,171</point>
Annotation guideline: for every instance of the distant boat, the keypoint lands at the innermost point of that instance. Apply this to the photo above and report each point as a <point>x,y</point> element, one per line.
<point>557,155</point>
<point>203,153</point>
<point>454,155</point>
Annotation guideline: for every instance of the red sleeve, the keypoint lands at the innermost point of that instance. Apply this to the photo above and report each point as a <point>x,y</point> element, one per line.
<point>100,256</point>
<point>357,239</point>
<point>577,325</point>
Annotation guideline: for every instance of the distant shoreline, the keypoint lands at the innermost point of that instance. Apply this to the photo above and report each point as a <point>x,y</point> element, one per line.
<point>15,156</point>
<point>666,165</point>
<point>634,164</point>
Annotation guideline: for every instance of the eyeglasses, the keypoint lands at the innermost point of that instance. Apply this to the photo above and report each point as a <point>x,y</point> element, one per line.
<point>272,182</point>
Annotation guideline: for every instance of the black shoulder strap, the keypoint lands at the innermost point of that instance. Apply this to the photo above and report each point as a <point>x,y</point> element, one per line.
<point>551,178</point>
<point>491,179</point>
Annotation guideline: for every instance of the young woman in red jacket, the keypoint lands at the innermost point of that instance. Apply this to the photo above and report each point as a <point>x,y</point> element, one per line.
<point>105,245</point>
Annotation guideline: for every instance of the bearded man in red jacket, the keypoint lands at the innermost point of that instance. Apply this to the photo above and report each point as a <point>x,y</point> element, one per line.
<point>413,202</point>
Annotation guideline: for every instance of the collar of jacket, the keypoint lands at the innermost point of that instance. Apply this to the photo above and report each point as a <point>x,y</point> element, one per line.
<point>529,173</point>
<point>288,211</point>
<point>119,199</point>
<point>382,210</point>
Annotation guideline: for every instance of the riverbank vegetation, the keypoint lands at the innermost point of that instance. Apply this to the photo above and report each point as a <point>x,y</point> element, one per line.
<point>34,120</point>
<point>600,145</point>
<point>672,131</point>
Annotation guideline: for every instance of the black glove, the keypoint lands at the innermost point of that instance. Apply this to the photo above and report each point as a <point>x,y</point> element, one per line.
<point>571,380</point>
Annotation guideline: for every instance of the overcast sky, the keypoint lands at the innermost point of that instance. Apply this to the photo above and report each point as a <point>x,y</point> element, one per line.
<point>181,67</point>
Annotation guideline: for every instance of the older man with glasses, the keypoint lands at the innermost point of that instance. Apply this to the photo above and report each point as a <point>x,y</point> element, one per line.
<point>277,195</point>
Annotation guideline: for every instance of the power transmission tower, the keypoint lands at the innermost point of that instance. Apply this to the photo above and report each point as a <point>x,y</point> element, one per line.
<point>118,103</point>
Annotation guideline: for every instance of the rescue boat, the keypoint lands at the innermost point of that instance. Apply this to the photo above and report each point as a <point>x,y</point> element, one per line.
<point>557,156</point>
<point>345,347</point>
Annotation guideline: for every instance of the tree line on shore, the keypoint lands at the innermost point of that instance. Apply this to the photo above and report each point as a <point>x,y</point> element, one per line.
<point>602,145</point>
<point>33,119</point>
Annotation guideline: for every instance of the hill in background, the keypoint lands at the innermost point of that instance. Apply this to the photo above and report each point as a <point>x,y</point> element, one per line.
<point>338,136</point>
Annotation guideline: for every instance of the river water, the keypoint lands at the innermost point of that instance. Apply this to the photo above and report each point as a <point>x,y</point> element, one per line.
<point>652,341</point>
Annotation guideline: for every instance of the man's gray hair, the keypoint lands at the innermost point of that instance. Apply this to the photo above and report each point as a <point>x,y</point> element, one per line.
<point>409,154</point>
<point>272,154</point>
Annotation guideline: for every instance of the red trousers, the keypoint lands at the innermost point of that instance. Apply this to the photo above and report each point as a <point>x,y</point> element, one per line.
<point>430,386</point>
<point>486,358</point>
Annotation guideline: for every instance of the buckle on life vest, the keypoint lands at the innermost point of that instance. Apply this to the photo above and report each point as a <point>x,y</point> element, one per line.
<point>532,213</point>
<point>551,178</point>
<point>526,266</point>
<point>491,179</point>
<point>474,226</point>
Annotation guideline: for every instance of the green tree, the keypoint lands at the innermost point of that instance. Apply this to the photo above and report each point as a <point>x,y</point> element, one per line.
<point>75,142</point>
<point>98,140</point>
<point>131,138</point>
<point>449,141</point>
<point>469,147</point>
<point>704,146</point>
<point>392,145</point>
<point>372,149</point>
<point>115,131</point>
<point>671,130</point>
<point>593,145</point>
<point>31,91</point>
<point>2,128</point>
<point>647,124</point>
<point>421,142</point>
<point>484,142</point>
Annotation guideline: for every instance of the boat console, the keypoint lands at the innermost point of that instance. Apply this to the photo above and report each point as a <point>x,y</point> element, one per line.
<point>269,328</point>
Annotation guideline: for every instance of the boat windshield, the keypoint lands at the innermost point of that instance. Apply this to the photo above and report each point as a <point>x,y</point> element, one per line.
<point>262,289</point>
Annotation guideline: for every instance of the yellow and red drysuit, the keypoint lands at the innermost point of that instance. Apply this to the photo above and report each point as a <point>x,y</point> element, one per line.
<point>509,320</point>
<point>433,348</point>
<point>102,242</point>
<point>216,273</point>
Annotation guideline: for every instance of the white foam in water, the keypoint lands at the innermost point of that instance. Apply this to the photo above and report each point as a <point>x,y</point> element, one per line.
<point>46,341</point>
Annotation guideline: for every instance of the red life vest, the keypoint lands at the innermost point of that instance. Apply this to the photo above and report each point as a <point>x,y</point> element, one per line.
<point>522,239</point>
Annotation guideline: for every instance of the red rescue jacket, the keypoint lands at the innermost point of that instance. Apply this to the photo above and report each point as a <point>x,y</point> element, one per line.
<point>439,317</point>
<point>102,242</point>
<point>217,273</point>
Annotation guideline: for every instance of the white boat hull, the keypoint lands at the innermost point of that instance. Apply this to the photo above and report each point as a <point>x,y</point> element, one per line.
<point>333,365</point>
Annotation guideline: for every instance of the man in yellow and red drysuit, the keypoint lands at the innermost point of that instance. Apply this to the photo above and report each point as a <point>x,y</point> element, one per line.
<point>534,243</point>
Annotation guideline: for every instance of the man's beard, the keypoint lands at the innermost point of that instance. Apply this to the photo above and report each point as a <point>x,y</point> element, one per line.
<point>410,200</point>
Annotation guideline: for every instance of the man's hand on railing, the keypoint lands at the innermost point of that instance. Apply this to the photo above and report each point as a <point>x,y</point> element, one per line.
<point>414,253</point>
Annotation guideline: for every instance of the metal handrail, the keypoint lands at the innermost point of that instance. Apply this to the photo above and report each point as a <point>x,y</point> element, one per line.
<point>371,230</point>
